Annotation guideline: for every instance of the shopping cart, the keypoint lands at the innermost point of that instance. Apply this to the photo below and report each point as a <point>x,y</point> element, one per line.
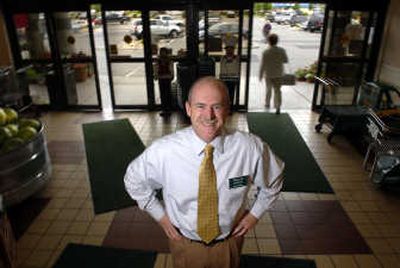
<point>345,119</point>
<point>384,148</point>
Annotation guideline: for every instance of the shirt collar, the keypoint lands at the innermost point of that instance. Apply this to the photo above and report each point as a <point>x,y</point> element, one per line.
<point>217,143</point>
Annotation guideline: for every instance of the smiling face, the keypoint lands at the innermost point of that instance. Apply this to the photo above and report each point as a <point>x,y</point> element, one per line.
<point>208,107</point>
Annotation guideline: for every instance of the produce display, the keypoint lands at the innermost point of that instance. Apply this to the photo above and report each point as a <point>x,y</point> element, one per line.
<point>15,131</point>
<point>307,73</point>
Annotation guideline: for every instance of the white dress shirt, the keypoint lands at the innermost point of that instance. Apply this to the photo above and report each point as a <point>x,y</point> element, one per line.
<point>229,67</point>
<point>172,163</point>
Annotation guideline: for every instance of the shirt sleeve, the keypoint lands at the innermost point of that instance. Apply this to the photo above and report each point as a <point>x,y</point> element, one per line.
<point>269,180</point>
<point>141,184</point>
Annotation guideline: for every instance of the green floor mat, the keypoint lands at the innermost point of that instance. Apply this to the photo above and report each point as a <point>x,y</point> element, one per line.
<point>302,173</point>
<point>110,146</point>
<point>87,256</point>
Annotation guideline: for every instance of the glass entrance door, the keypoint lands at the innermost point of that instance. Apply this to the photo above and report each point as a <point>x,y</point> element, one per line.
<point>345,55</point>
<point>34,53</point>
<point>58,54</point>
<point>168,30</point>
<point>75,42</point>
<point>125,47</point>
<point>219,29</point>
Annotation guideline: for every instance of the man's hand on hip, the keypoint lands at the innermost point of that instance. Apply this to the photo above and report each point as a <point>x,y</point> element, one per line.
<point>247,223</point>
<point>169,229</point>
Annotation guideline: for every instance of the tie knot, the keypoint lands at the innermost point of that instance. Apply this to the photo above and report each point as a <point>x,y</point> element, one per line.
<point>209,149</point>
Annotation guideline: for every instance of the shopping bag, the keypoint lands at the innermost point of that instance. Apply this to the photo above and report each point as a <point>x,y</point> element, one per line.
<point>288,80</point>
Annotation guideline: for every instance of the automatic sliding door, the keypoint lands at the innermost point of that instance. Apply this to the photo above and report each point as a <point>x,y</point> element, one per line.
<point>33,41</point>
<point>221,28</point>
<point>77,56</point>
<point>124,38</point>
<point>60,63</point>
<point>167,29</point>
<point>129,80</point>
<point>345,55</point>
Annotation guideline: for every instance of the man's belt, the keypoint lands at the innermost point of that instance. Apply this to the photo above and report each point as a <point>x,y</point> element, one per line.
<point>212,243</point>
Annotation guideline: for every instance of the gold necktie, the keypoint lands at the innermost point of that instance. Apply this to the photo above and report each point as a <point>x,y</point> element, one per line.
<point>207,210</point>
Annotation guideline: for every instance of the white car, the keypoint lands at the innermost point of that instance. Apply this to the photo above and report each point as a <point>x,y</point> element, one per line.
<point>283,17</point>
<point>77,24</point>
<point>157,28</point>
<point>171,20</point>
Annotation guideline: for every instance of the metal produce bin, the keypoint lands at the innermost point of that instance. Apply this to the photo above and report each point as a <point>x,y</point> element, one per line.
<point>24,170</point>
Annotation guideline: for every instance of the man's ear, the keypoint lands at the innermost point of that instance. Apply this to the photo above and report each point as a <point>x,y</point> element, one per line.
<point>188,108</point>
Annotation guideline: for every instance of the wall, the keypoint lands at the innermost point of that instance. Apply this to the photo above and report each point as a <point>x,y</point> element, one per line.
<point>389,70</point>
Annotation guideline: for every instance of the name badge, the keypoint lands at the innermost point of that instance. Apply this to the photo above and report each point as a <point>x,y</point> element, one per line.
<point>238,182</point>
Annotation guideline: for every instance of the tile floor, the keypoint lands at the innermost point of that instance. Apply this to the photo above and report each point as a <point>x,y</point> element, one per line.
<point>69,217</point>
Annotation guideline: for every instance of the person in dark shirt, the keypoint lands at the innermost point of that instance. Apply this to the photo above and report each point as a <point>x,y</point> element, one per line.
<point>164,72</point>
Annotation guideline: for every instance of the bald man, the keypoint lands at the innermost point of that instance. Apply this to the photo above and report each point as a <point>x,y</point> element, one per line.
<point>172,163</point>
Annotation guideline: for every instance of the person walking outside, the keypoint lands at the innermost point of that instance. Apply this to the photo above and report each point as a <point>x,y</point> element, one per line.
<point>271,67</point>
<point>266,30</point>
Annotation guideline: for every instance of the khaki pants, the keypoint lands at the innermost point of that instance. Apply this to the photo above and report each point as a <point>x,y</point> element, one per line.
<point>276,84</point>
<point>190,254</point>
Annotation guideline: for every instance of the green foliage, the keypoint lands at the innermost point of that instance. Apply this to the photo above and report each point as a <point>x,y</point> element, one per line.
<point>307,73</point>
<point>96,7</point>
<point>133,14</point>
<point>261,7</point>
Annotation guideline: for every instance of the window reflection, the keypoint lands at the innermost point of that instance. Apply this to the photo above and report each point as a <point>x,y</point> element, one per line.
<point>32,36</point>
<point>125,33</point>
<point>168,29</point>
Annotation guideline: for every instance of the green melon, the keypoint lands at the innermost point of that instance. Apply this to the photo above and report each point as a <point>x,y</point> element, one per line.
<point>11,144</point>
<point>12,115</point>
<point>5,134</point>
<point>13,129</point>
<point>25,122</point>
<point>3,117</point>
<point>26,133</point>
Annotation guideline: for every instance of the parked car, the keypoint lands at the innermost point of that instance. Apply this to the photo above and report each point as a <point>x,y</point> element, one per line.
<point>157,28</point>
<point>315,23</point>
<point>171,20</point>
<point>230,14</point>
<point>116,16</point>
<point>77,24</point>
<point>270,15</point>
<point>297,20</point>
<point>221,29</point>
<point>283,17</point>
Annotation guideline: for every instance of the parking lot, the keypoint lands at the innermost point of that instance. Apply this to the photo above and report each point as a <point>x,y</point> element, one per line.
<point>302,48</point>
